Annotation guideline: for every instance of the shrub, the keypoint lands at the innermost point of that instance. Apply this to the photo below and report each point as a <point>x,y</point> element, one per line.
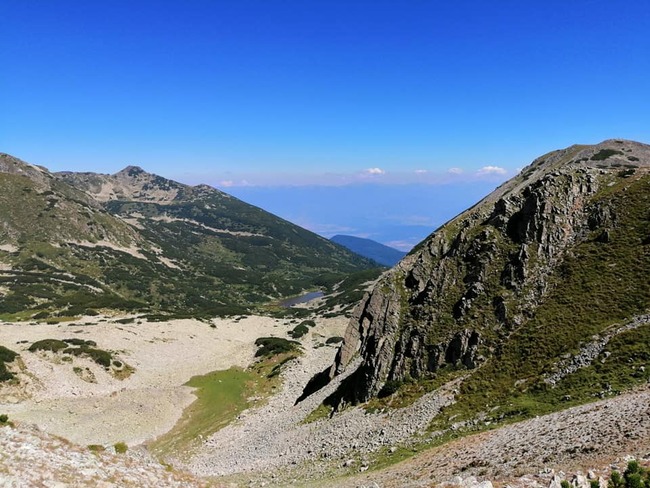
<point>53,345</point>
<point>299,331</point>
<point>101,357</point>
<point>616,479</point>
<point>80,342</point>
<point>334,340</point>
<point>129,320</point>
<point>96,448</point>
<point>5,375</point>
<point>4,418</point>
<point>604,154</point>
<point>121,447</point>
<point>270,346</point>
<point>390,387</point>
<point>634,480</point>
<point>7,355</point>
<point>308,322</point>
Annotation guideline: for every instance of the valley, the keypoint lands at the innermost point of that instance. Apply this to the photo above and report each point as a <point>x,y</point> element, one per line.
<point>509,348</point>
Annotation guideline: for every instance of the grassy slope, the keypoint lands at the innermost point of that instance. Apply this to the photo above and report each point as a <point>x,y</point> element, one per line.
<point>221,396</point>
<point>225,256</point>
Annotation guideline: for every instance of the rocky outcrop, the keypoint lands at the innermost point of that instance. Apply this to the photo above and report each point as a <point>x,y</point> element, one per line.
<point>458,296</point>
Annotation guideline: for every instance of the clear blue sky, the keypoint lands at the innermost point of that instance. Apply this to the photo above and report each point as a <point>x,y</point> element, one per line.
<point>303,92</point>
<point>248,86</point>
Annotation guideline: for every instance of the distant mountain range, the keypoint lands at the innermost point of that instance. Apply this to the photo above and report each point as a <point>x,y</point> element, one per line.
<point>77,242</point>
<point>368,248</point>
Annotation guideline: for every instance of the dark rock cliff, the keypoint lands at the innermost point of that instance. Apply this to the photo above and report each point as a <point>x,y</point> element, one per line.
<point>465,289</point>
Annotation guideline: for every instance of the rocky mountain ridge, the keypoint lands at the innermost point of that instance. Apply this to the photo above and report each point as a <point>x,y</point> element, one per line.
<point>570,232</point>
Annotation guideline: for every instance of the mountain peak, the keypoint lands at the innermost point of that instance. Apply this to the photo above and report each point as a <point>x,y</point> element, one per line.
<point>131,171</point>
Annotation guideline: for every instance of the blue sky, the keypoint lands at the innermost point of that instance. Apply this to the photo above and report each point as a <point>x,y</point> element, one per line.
<point>301,93</point>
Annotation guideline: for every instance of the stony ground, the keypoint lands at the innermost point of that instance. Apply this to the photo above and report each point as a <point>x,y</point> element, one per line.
<point>596,437</point>
<point>270,444</point>
<point>30,458</point>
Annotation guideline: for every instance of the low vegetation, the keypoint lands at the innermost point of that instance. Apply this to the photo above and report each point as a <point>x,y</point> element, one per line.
<point>82,347</point>
<point>271,346</point>
<point>53,345</point>
<point>334,340</point>
<point>120,447</point>
<point>6,356</point>
<point>634,476</point>
<point>222,395</point>
<point>602,284</point>
<point>298,331</point>
<point>4,420</point>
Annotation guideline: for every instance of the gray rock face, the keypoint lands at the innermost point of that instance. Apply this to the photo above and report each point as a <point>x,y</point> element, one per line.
<point>462,291</point>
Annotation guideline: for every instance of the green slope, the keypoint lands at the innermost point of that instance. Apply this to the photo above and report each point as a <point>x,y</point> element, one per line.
<point>77,241</point>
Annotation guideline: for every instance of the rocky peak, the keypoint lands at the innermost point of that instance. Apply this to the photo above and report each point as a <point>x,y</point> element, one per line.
<point>465,289</point>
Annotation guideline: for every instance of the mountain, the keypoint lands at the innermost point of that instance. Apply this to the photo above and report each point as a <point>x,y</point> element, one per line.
<point>370,249</point>
<point>75,242</point>
<point>535,299</point>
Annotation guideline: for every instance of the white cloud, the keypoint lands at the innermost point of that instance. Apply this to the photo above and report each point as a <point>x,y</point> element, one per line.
<point>226,183</point>
<point>402,245</point>
<point>491,170</point>
<point>421,171</point>
<point>455,171</point>
<point>375,171</point>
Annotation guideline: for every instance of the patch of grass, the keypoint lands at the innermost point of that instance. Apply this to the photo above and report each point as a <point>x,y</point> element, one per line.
<point>96,448</point>
<point>221,397</point>
<point>322,411</point>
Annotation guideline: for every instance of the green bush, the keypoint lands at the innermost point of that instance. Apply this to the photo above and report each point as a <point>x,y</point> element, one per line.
<point>309,323</point>
<point>334,340</point>
<point>5,375</point>
<point>80,342</point>
<point>121,447</point>
<point>7,355</point>
<point>616,479</point>
<point>271,346</point>
<point>101,357</point>
<point>299,331</point>
<point>4,418</point>
<point>53,345</point>
<point>604,154</point>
